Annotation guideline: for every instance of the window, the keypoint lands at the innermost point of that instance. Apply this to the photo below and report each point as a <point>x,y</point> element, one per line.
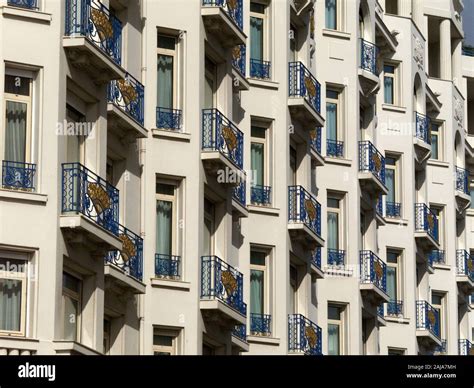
<point>396,352</point>
<point>294,43</point>
<point>71,307</point>
<point>165,218</point>
<point>394,283</point>
<point>210,84</point>
<point>439,212</point>
<point>258,282</point>
<point>257,31</point>
<point>293,166</point>
<point>209,228</point>
<point>438,303</point>
<point>293,290</point>
<point>259,164</point>
<point>334,230</point>
<point>335,330</point>
<point>13,289</point>
<point>167,69</point>
<point>107,335</point>
<point>165,342</point>
<point>436,141</point>
<point>392,179</point>
<point>75,142</point>
<point>389,84</point>
<point>333,120</point>
<point>331,14</point>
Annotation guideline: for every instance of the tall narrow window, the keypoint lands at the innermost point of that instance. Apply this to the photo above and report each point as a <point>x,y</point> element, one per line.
<point>293,166</point>
<point>334,231</point>
<point>331,14</point>
<point>72,289</point>
<point>294,43</point>
<point>75,142</point>
<point>335,330</point>
<point>393,206</point>
<point>436,141</point>
<point>439,212</point>
<point>166,71</point>
<point>389,84</point>
<point>333,118</point>
<point>394,283</point>
<point>209,228</point>
<point>258,270</point>
<point>210,84</point>
<point>293,290</point>
<point>257,31</point>
<point>165,218</point>
<point>437,301</point>
<point>259,162</point>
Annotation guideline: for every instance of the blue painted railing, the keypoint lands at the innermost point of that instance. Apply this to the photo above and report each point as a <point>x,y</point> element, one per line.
<point>240,332</point>
<point>334,148</point>
<point>373,270</point>
<point>167,266</point>
<point>129,95</point>
<point>336,257</point>
<point>239,58</point>
<point>239,193</point>
<point>304,208</point>
<point>171,119</point>
<point>315,138</point>
<point>92,20</point>
<point>368,56</point>
<point>87,193</point>
<point>18,175</point>
<point>423,127</point>
<point>443,348</point>
<point>260,69</point>
<point>29,4</point>
<point>394,308</point>
<point>261,195</point>
<point>466,348</point>
<point>316,257</point>
<point>221,281</point>
<point>379,206</point>
<point>393,209</point>
<point>436,256</point>
<point>304,336</point>
<point>462,176</point>
<point>220,134</point>
<point>371,160</point>
<point>260,324</point>
<point>427,317</point>
<point>426,220</point>
<point>468,51</point>
<point>130,257</point>
<point>233,8</point>
<point>464,264</point>
<point>302,84</point>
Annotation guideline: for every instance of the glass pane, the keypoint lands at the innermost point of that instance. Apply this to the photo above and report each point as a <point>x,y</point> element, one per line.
<point>256,291</point>
<point>208,93</point>
<point>257,258</point>
<point>10,305</point>
<point>207,236</point>
<point>333,230</point>
<point>163,340</point>
<point>331,121</point>
<point>333,340</point>
<point>334,313</point>
<point>257,8</point>
<point>258,132</point>
<point>71,283</point>
<point>165,81</point>
<point>12,265</point>
<point>17,85</point>
<point>166,42</point>
<point>15,131</point>
<point>331,14</point>
<point>70,318</point>
<point>164,214</point>
<point>434,145</point>
<point>162,188</point>
<point>257,163</point>
<point>392,283</point>
<point>390,183</point>
<point>256,38</point>
<point>388,90</point>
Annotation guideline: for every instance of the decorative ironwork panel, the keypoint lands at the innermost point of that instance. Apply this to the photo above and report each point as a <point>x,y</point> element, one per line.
<point>393,209</point>
<point>303,84</point>
<point>30,4</point>
<point>368,56</point>
<point>427,317</point>
<point>167,266</point>
<point>462,177</point>
<point>335,148</point>
<point>426,220</point>
<point>233,8</point>
<point>260,324</point>
<point>239,193</point>
<point>316,257</point>
<point>423,127</point>
<point>261,195</point>
<point>260,69</point>
<point>465,264</point>
<point>371,160</point>
<point>303,335</point>
<point>373,270</point>
<point>336,257</point>
<point>18,175</point>
<point>171,119</point>
<point>315,138</point>
<point>240,331</point>
<point>129,95</point>
<point>436,256</point>
<point>304,208</point>
<point>239,58</point>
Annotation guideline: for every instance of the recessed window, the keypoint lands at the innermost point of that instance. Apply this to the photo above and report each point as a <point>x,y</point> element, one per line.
<point>332,14</point>
<point>335,330</point>
<point>259,41</point>
<point>72,292</point>
<point>165,342</point>
<point>436,140</point>
<point>259,158</point>
<point>334,135</point>
<point>392,181</point>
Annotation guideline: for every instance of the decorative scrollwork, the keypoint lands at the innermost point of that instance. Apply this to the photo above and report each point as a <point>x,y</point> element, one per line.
<point>431,318</point>
<point>230,138</point>
<point>310,87</point>
<point>99,197</point>
<point>230,282</point>
<point>128,248</point>
<point>128,91</point>
<point>311,336</point>
<point>310,209</point>
<point>377,162</point>
<point>378,270</point>
<point>102,24</point>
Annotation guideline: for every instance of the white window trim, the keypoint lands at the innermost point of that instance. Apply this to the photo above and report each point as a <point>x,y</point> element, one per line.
<point>396,177</point>
<point>266,150</point>
<point>440,133</point>
<point>341,221</point>
<point>174,213</point>
<point>442,313</point>
<point>341,324</point>
<point>266,277</point>
<point>174,55</point>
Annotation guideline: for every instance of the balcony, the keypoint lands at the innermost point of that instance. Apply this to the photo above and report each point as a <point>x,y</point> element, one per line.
<point>125,266</point>
<point>336,257</point>
<point>393,210</point>
<point>373,277</point>
<point>334,148</point>
<point>422,139</point>
<point>18,176</point>
<point>261,195</point>
<point>304,336</point>
<point>239,200</point>
<point>442,349</point>
<point>222,292</point>
<point>392,309</point>
<point>304,95</point>
<point>465,271</point>
<point>239,59</point>
<point>93,40</point>
<point>261,325</point>
<point>224,20</point>
<point>368,72</point>
<point>379,212</point>
<point>169,119</point>
<point>222,146</point>
<point>427,324</point>
<point>316,146</point>
<point>239,338</point>
<point>426,227</point>
<point>260,69</point>
<point>90,206</point>
<point>27,4</point>
<point>316,268</point>
<point>126,107</point>
<point>463,198</point>
<point>436,256</point>
<point>466,348</point>
<point>167,266</point>
<point>371,169</point>
<point>304,217</point>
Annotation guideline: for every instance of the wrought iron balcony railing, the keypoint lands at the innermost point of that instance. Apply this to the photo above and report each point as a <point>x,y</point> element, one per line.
<point>130,257</point>
<point>436,256</point>
<point>426,220</point>
<point>315,137</point>
<point>303,208</point>
<point>464,264</point>
<point>261,324</point>
<point>368,56</point>
<point>304,336</point>
<point>87,193</point>
<point>371,160</point>
<point>462,176</point>
<point>239,58</point>
<point>303,84</point>
<point>170,119</point>
<point>427,317</point>
<point>129,95</point>
<point>336,257</point>
<point>29,4</point>
<point>334,148</point>
<point>443,348</point>
<point>466,348</point>
<point>373,270</point>
<point>316,257</point>
<point>18,175</point>
<point>468,51</point>
<point>167,266</point>
<point>393,209</point>
<point>239,193</point>
<point>379,206</point>
<point>423,127</point>
<point>220,134</point>
<point>240,331</point>
<point>394,308</point>
<point>221,281</point>
<point>93,20</point>
<point>261,195</point>
<point>260,69</point>
<point>233,8</point>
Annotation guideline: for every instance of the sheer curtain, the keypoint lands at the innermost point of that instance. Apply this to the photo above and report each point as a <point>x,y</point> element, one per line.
<point>388,90</point>
<point>333,340</point>
<point>256,38</point>
<point>331,14</point>
<point>256,292</point>
<point>392,283</point>
<point>390,183</point>
<point>333,231</point>
<point>164,211</point>
<point>165,81</point>
<point>15,134</point>
<point>331,121</point>
<point>257,163</point>
<point>10,304</point>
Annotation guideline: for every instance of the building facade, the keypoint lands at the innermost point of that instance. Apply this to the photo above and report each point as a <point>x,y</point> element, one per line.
<point>236,177</point>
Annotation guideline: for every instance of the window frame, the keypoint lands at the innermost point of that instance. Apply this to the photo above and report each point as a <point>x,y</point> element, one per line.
<point>77,296</point>
<point>398,266</point>
<point>212,219</point>
<point>173,350</point>
<point>396,178</point>
<point>341,325</point>
<point>266,272</point>
<point>339,114</point>
<point>211,74</point>
<point>264,17</point>
<point>439,212</point>
<point>339,211</point>
<point>173,199</point>
<point>442,310</point>
<point>439,134</point>
<point>266,149</point>
<point>395,76</point>
<point>173,54</point>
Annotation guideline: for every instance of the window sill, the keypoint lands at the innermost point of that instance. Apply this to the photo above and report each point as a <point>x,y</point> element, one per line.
<point>337,34</point>
<point>437,163</point>
<point>396,221</point>
<point>23,196</point>
<point>339,161</point>
<point>14,13</point>
<point>443,267</point>
<point>171,135</point>
<point>264,210</point>
<point>266,84</point>
<point>170,284</point>
<point>394,108</point>
<point>470,212</point>
<point>256,339</point>
<point>401,320</point>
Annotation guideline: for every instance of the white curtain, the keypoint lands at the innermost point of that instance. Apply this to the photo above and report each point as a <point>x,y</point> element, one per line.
<point>333,231</point>
<point>390,183</point>
<point>257,158</point>
<point>164,211</point>
<point>392,283</point>
<point>331,14</point>
<point>165,81</point>
<point>70,318</point>
<point>256,291</point>
<point>388,90</point>
<point>331,121</point>
<point>333,340</point>
<point>256,38</point>
<point>15,136</point>
<point>10,304</point>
